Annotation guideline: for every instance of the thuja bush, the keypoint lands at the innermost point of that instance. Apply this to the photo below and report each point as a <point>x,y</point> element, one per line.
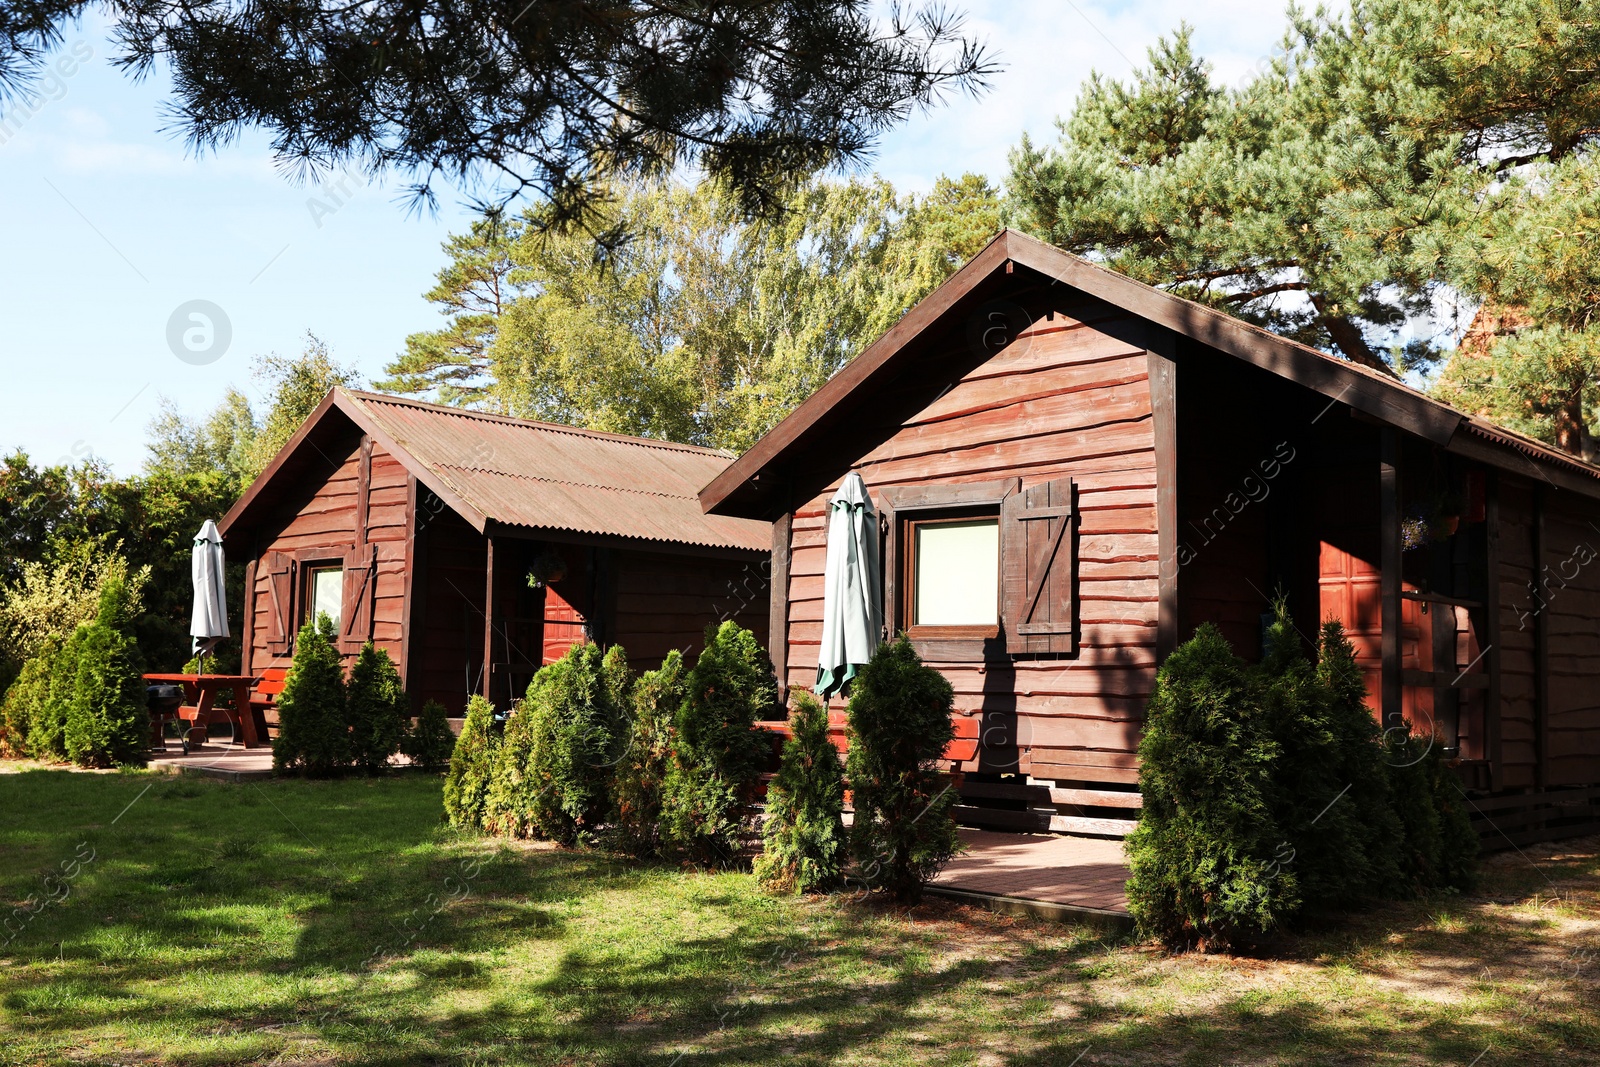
<point>1359,752</point>
<point>1267,791</point>
<point>639,783</point>
<point>47,729</point>
<point>107,721</point>
<point>428,742</point>
<point>26,699</point>
<point>1437,847</point>
<point>375,709</point>
<point>1209,862</point>
<point>710,789</point>
<point>466,786</point>
<point>312,735</point>
<point>899,727</point>
<point>804,840</point>
<point>553,773</point>
<point>1322,759</point>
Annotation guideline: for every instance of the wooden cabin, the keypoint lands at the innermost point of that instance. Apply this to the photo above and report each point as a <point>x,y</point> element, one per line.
<point>474,548</point>
<point>1075,470</point>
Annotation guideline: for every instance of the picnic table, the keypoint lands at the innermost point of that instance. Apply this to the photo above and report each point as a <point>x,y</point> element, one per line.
<point>201,708</point>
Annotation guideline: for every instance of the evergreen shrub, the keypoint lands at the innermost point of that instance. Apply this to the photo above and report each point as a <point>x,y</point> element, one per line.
<point>26,699</point>
<point>805,846</point>
<point>466,786</point>
<point>899,721</point>
<point>312,735</point>
<point>376,709</point>
<point>47,730</point>
<point>107,720</point>
<point>552,774</point>
<point>1207,859</point>
<point>428,742</point>
<point>638,787</point>
<point>710,791</point>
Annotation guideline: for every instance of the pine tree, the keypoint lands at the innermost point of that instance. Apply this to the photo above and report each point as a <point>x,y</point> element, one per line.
<point>466,786</point>
<point>429,742</point>
<point>805,846</point>
<point>709,808</point>
<point>640,782</point>
<point>312,735</point>
<point>899,728</point>
<point>376,708</point>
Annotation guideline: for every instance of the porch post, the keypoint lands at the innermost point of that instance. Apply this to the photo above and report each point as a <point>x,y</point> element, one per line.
<point>1389,588</point>
<point>488,617</point>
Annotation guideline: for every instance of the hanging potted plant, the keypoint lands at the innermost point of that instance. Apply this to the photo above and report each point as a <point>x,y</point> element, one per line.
<point>548,566</point>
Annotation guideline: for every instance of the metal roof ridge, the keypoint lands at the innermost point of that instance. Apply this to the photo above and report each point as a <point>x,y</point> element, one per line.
<point>365,397</point>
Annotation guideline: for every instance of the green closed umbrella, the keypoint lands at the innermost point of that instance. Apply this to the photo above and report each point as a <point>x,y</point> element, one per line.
<point>852,610</point>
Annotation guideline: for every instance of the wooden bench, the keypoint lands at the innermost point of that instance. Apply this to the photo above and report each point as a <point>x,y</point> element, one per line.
<point>264,701</point>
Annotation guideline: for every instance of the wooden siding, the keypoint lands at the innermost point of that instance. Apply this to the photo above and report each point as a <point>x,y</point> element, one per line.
<point>666,601</point>
<point>326,517</point>
<point>1519,749</point>
<point>1571,581</point>
<point>1064,399</point>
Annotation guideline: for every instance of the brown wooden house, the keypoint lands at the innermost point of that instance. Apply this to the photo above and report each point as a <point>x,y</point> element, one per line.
<point>1075,470</point>
<point>418,526</point>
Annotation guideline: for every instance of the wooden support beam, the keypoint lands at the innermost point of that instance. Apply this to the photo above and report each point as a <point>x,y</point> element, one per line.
<point>363,489</point>
<point>1164,408</point>
<point>1491,634</point>
<point>488,618</point>
<point>1389,559</point>
<point>247,627</point>
<point>408,604</point>
<point>1541,646</point>
<point>778,602</point>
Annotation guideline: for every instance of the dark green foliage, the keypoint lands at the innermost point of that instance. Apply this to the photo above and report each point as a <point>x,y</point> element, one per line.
<point>1437,845</point>
<point>1359,751</point>
<point>466,786</point>
<point>553,773</point>
<point>1266,792</point>
<point>107,721</point>
<point>559,101</point>
<point>47,732</point>
<point>375,708</point>
<point>709,810</point>
<point>312,736</point>
<point>428,742</point>
<point>641,774</point>
<point>25,701</point>
<point>805,846</point>
<point>1209,862</point>
<point>899,728</point>
<point>1314,773</point>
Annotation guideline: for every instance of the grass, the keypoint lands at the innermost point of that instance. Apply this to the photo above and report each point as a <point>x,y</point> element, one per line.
<point>338,922</point>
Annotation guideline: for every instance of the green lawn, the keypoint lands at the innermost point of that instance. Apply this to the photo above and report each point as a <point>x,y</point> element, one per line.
<point>222,923</point>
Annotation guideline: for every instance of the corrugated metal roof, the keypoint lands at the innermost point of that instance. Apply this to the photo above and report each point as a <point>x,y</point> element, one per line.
<point>544,476</point>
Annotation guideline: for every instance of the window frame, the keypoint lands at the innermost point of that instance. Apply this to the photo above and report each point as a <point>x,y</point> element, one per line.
<point>309,569</point>
<point>900,506</point>
<point>910,524</point>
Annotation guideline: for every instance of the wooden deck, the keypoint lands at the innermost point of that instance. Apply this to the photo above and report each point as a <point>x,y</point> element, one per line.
<point>1045,874</point>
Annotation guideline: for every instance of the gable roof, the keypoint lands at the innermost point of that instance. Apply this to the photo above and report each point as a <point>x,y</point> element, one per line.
<point>518,473</point>
<point>737,489</point>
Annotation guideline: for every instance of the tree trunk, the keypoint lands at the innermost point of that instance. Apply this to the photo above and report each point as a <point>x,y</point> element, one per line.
<point>1569,423</point>
<point>1347,336</point>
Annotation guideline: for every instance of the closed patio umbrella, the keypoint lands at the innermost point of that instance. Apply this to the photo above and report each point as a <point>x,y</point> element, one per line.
<point>852,611</point>
<point>208,624</point>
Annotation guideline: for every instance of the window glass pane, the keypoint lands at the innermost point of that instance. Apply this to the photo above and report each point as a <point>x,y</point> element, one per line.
<point>957,573</point>
<point>327,593</point>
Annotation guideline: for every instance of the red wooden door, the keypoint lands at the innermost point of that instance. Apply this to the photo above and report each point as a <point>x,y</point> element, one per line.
<point>1351,591</point>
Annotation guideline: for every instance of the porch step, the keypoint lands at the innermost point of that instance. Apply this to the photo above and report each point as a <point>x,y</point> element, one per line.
<point>1040,820</point>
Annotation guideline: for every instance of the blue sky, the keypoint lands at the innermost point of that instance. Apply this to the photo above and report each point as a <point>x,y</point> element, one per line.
<point>112,226</point>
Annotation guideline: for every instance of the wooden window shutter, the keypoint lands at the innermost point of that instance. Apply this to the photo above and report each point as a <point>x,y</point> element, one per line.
<point>355,607</point>
<point>1038,557</point>
<point>280,569</point>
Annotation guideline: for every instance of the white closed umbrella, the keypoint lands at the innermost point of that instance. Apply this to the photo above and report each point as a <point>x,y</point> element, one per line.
<point>852,611</point>
<point>208,624</point>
